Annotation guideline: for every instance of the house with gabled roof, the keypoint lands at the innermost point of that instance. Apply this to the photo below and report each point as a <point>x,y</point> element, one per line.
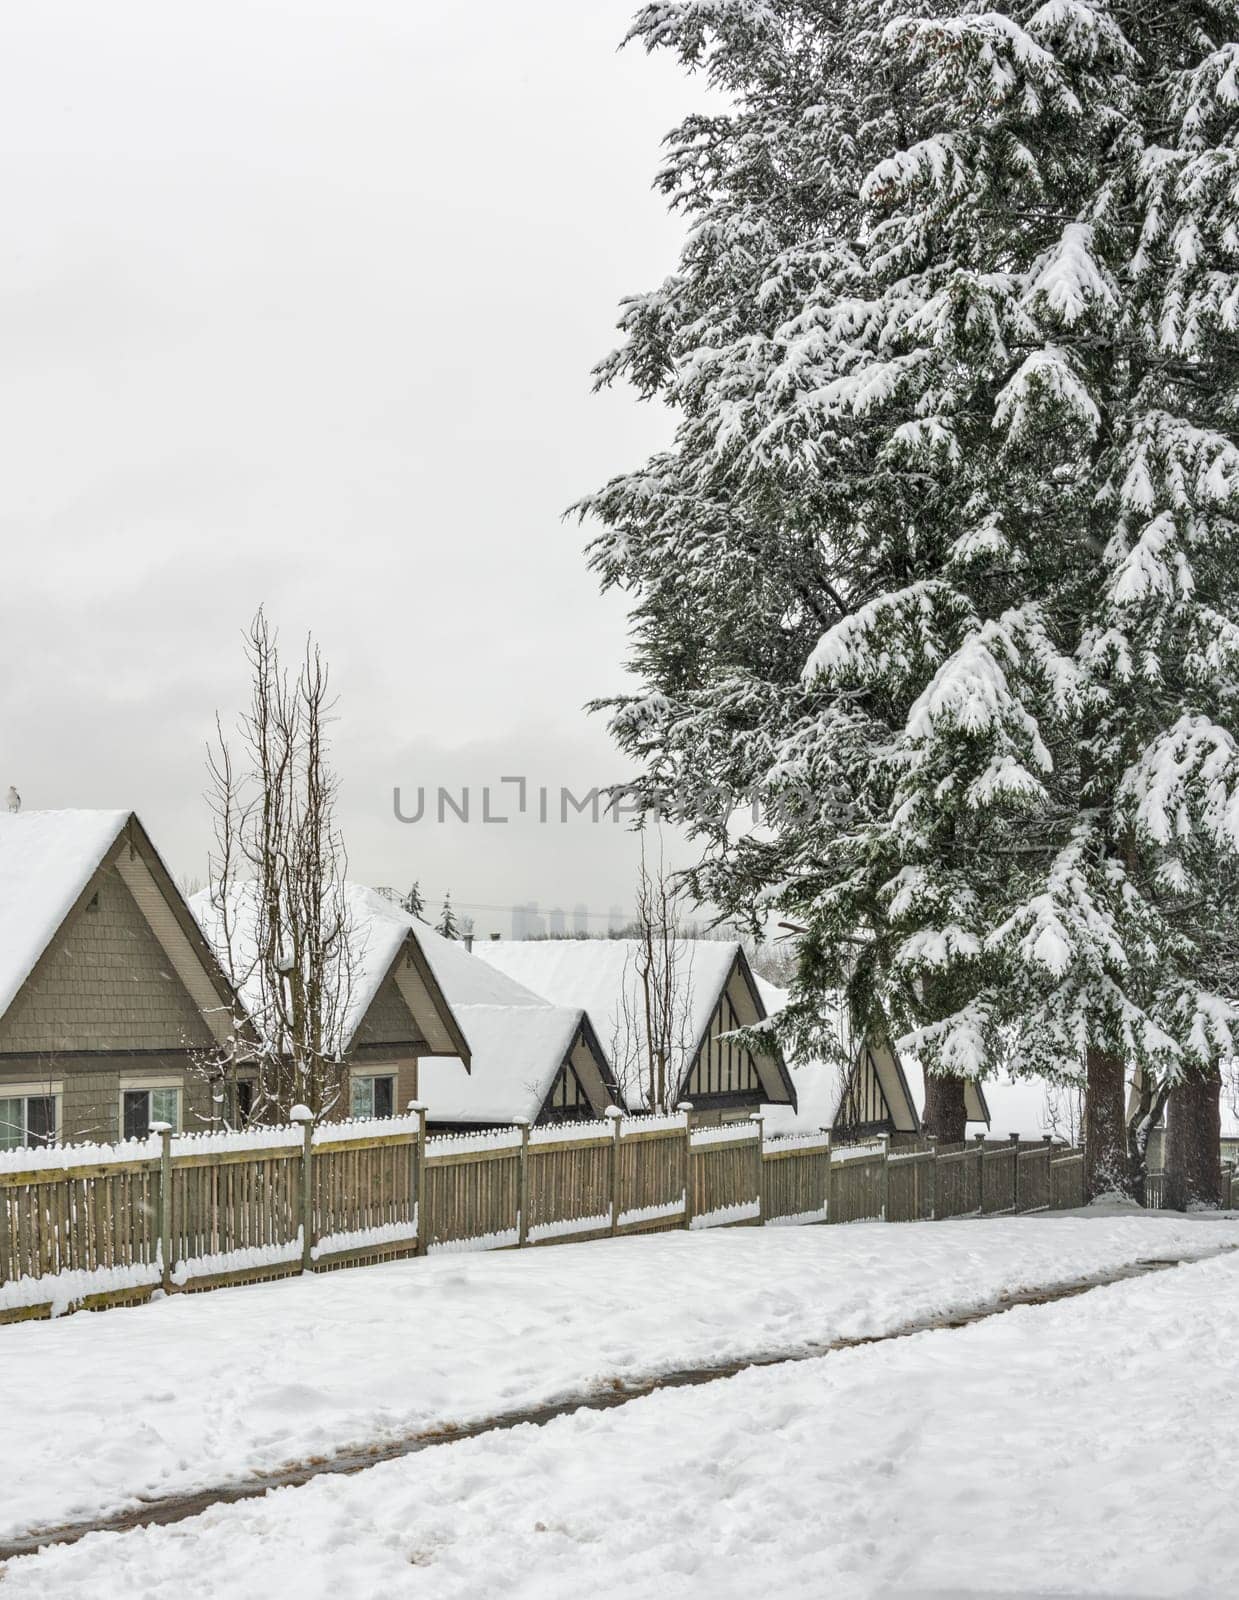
<point>529,1059</point>
<point>110,997</point>
<point>397,1010</point>
<point>871,1090</point>
<point>713,996</point>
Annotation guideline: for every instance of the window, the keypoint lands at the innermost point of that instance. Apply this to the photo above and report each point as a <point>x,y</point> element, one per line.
<point>245,1101</point>
<point>141,1107</point>
<point>28,1119</point>
<point>372,1097</point>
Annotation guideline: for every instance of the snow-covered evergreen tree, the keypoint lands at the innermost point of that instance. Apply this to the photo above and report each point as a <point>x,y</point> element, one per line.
<point>447,924</point>
<point>942,563</point>
<point>414,902</point>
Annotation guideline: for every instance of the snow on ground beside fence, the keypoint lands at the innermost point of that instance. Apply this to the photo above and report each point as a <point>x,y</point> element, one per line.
<point>565,1230</point>
<point>802,1219</point>
<point>193,1390</point>
<point>848,1475</point>
<point>365,1238</point>
<point>68,1289</point>
<point>743,1211</point>
<point>505,1239</point>
<point>667,1208</point>
<point>730,1133</point>
<point>241,1260</point>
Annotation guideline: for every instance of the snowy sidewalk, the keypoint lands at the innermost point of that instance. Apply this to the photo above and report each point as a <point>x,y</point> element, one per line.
<point>1086,1448</point>
<point>193,1391</point>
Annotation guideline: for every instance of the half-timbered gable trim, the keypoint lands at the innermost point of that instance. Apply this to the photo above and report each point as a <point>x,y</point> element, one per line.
<point>583,1087</point>
<point>725,1073</point>
<point>868,1090</point>
<point>714,995</point>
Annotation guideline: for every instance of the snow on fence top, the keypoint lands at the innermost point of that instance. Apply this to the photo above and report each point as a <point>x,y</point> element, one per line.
<point>563,1132</point>
<point>266,1136</point>
<point>57,1157</point>
<point>461,1143</point>
<point>730,1133</point>
<point>364,1128</point>
<point>654,1124</point>
<point>799,1141</point>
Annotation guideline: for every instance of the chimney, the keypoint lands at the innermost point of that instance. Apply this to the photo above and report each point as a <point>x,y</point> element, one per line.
<point>468,941</point>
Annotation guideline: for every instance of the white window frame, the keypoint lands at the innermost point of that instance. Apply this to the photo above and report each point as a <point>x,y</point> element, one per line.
<point>38,1089</point>
<point>370,1073</point>
<point>134,1085</point>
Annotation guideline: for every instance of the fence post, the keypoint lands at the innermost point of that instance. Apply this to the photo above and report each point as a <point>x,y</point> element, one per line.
<point>759,1119</point>
<point>418,1196</point>
<point>686,1106</point>
<point>305,1117</point>
<point>163,1210</point>
<point>522,1216</point>
<point>1047,1140</point>
<point>980,1138</point>
<point>1015,1174</point>
<point>886,1176</point>
<point>830,1174</point>
<point>615,1117</point>
<point>931,1139</point>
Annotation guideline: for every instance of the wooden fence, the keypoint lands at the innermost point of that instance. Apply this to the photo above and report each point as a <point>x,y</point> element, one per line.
<point>1228,1188</point>
<point>97,1226</point>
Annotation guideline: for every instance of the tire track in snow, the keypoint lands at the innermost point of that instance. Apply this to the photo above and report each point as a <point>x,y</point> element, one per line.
<point>181,1507</point>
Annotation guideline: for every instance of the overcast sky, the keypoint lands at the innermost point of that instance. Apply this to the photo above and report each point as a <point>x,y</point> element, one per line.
<point>299,304</point>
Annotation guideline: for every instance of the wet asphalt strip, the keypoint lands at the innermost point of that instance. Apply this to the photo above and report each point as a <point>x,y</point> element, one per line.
<point>619,1392</point>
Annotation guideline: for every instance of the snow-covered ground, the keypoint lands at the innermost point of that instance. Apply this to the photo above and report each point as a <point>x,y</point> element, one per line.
<point>192,1391</point>
<point>1089,1447</point>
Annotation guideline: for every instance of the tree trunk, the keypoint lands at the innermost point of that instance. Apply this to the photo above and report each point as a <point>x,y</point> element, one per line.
<point>1193,1141</point>
<point>946,1113</point>
<point>1142,1121</point>
<point>1105,1125</point>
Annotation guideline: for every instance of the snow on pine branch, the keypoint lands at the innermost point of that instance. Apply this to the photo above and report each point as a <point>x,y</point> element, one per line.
<point>1046,390</point>
<point>1188,776</point>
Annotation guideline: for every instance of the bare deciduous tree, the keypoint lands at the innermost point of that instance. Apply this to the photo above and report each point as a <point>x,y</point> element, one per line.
<point>277,879</point>
<point>651,1039</point>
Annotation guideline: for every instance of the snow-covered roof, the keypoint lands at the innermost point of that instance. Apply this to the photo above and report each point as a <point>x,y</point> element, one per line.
<point>379,930</point>
<point>517,1051</point>
<point>464,979</point>
<point>46,860</point>
<point>602,977</point>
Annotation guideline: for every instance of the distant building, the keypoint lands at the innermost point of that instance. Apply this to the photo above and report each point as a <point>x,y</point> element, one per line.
<point>527,922</point>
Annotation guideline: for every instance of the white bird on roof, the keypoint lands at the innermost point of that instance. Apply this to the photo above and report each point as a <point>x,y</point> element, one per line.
<point>15,800</point>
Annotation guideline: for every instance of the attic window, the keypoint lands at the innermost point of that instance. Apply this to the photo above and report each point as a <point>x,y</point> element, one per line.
<point>93,903</point>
